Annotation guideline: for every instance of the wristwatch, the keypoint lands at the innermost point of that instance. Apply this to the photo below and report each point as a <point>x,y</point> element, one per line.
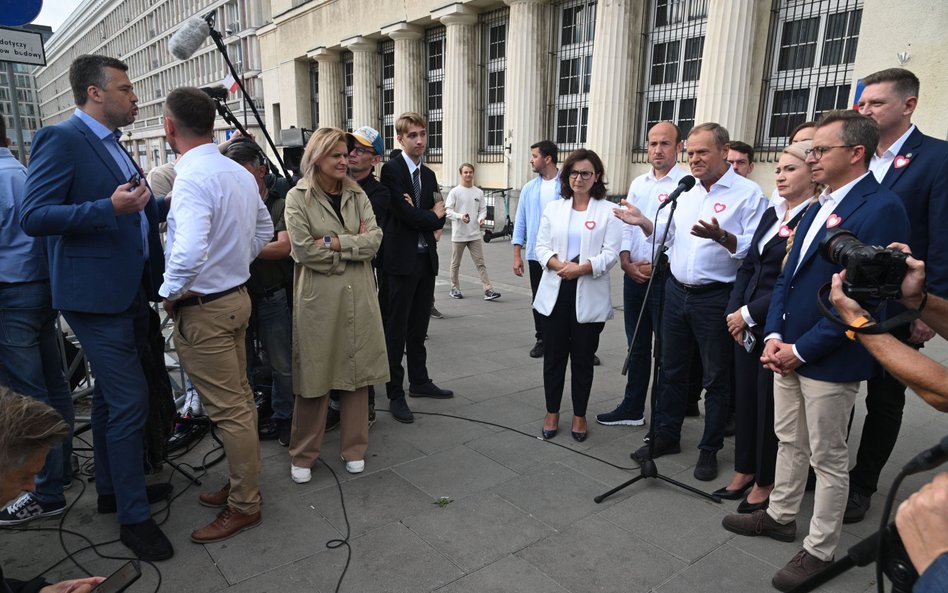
<point>327,241</point>
<point>723,239</point>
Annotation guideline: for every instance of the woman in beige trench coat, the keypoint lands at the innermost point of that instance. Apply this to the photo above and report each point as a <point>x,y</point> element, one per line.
<point>338,341</point>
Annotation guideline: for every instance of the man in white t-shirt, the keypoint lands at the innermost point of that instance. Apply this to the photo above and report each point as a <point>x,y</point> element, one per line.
<point>467,210</point>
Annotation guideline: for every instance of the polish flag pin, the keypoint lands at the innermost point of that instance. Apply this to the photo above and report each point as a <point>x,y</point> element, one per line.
<point>662,198</point>
<point>832,221</point>
<point>590,224</point>
<point>784,231</point>
<point>900,161</point>
<point>719,207</point>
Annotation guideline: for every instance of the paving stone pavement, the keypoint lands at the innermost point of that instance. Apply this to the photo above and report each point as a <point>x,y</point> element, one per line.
<point>521,516</point>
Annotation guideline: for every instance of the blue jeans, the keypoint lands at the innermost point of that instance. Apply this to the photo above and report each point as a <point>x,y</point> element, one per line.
<point>691,317</point>
<point>640,359</point>
<point>30,364</point>
<point>273,325</point>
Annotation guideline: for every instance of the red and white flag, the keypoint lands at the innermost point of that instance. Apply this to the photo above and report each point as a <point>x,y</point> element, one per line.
<point>230,83</point>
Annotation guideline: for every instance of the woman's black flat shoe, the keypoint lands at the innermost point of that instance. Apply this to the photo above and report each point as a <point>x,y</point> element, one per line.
<point>578,436</point>
<point>746,508</point>
<point>548,434</point>
<point>733,494</point>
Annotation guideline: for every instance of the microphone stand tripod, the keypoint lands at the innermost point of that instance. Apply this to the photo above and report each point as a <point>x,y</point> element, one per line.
<point>219,42</point>
<point>648,469</point>
<point>228,116</point>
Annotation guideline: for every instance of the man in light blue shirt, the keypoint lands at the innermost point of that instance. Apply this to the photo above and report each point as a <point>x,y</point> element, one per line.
<point>535,195</point>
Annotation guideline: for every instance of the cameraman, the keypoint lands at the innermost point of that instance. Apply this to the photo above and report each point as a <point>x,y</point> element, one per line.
<point>30,429</point>
<point>923,526</point>
<point>926,377</point>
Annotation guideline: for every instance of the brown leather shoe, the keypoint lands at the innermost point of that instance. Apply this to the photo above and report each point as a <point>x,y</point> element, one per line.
<point>802,567</point>
<point>228,523</point>
<point>215,500</point>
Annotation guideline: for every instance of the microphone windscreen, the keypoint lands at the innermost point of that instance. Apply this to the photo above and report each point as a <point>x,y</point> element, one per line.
<point>189,38</point>
<point>688,181</point>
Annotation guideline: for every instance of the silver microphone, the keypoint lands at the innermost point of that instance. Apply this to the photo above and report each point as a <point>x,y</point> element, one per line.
<point>189,37</point>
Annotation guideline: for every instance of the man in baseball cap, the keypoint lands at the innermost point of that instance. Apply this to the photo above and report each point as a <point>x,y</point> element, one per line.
<point>369,138</point>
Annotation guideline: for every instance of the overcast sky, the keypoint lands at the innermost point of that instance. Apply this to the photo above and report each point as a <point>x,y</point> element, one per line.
<point>54,12</point>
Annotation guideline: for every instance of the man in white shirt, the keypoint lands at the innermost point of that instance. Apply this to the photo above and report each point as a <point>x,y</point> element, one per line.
<point>467,210</point>
<point>217,226</point>
<point>710,233</point>
<point>647,193</point>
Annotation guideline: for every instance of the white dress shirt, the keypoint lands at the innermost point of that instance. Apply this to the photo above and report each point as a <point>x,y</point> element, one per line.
<point>737,203</point>
<point>217,225</point>
<point>648,193</point>
<point>879,165</point>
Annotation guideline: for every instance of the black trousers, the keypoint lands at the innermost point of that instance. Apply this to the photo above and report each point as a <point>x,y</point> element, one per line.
<point>885,398</point>
<point>565,339</point>
<point>755,444</point>
<point>409,311</point>
<point>536,272</point>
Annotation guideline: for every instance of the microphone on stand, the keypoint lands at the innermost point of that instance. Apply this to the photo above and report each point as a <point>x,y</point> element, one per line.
<point>189,38</point>
<point>687,182</point>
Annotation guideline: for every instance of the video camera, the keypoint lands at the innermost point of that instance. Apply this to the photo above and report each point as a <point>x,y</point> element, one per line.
<point>872,272</point>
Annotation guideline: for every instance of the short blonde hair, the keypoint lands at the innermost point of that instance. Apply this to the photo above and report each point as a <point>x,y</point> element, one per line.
<point>408,119</point>
<point>320,145</point>
<point>29,426</point>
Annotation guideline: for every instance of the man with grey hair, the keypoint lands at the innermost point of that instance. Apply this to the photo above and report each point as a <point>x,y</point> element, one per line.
<point>31,429</point>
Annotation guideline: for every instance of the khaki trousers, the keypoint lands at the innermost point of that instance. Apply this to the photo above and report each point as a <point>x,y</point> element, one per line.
<point>810,420</point>
<point>309,426</point>
<point>210,339</point>
<point>476,248</point>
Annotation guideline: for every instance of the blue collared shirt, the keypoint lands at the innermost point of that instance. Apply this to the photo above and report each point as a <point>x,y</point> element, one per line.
<point>110,140</point>
<point>529,212</point>
<point>22,258</point>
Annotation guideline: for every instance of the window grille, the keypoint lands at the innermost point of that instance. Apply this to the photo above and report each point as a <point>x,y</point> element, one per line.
<point>347,86</point>
<point>494,26</point>
<point>575,32</point>
<point>809,66</point>
<point>387,94</point>
<point>434,61</point>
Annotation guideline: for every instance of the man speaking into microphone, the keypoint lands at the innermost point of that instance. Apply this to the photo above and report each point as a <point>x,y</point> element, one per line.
<point>710,233</point>
<point>217,226</point>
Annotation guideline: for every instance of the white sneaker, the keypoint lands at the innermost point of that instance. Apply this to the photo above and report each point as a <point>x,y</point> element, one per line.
<point>300,475</point>
<point>355,467</point>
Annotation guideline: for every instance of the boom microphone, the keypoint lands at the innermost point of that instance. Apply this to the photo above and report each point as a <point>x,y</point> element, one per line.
<point>687,182</point>
<point>189,37</point>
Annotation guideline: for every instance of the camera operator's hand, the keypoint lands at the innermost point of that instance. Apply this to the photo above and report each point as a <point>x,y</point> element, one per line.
<point>913,285</point>
<point>921,333</point>
<point>923,523</point>
<point>848,309</point>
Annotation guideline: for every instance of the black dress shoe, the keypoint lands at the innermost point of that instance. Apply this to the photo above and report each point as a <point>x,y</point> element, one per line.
<point>429,389</point>
<point>578,436</point>
<point>155,493</point>
<point>400,410</point>
<point>663,446</point>
<point>267,431</point>
<point>548,434</point>
<point>146,540</point>
<point>735,494</point>
<point>856,507</point>
<point>746,508</point>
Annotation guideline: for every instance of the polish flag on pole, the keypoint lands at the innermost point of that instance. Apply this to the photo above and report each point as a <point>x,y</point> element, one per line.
<point>230,83</point>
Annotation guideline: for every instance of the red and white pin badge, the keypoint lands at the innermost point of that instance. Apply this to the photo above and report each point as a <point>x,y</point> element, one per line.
<point>719,207</point>
<point>590,224</point>
<point>784,231</point>
<point>832,221</point>
<point>662,198</point>
<point>900,161</point>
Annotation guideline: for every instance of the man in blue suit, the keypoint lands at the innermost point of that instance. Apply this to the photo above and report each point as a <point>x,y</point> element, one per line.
<point>87,195</point>
<point>915,167</point>
<point>818,370</point>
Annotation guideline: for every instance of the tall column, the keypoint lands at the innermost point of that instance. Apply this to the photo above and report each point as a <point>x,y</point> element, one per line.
<point>724,90</point>
<point>611,103</point>
<point>527,47</point>
<point>330,87</point>
<point>365,81</point>
<point>460,97</point>
<point>409,67</point>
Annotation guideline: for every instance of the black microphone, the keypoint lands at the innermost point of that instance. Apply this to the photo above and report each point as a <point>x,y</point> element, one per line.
<point>687,182</point>
<point>187,39</point>
<point>928,459</point>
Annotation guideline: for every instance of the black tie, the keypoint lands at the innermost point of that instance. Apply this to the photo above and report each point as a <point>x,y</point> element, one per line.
<point>416,182</point>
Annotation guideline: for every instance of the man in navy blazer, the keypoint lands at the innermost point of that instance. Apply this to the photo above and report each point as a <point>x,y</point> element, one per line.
<point>105,265</point>
<point>915,167</point>
<point>410,259</point>
<point>818,368</point>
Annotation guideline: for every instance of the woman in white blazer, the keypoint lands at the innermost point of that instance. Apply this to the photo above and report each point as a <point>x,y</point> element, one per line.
<point>577,244</point>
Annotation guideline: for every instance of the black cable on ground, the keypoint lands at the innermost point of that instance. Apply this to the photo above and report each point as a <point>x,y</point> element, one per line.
<point>336,542</point>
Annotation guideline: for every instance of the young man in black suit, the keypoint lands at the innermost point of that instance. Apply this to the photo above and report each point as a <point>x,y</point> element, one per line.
<point>410,259</point>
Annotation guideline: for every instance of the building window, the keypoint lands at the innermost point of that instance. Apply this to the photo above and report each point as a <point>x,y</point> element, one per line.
<point>810,65</point>
<point>494,84</point>
<point>347,86</point>
<point>434,60</point>
<point>314,92</point>
<point>673,45</point>
<point>387,95</point>
<point>576,32</point>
